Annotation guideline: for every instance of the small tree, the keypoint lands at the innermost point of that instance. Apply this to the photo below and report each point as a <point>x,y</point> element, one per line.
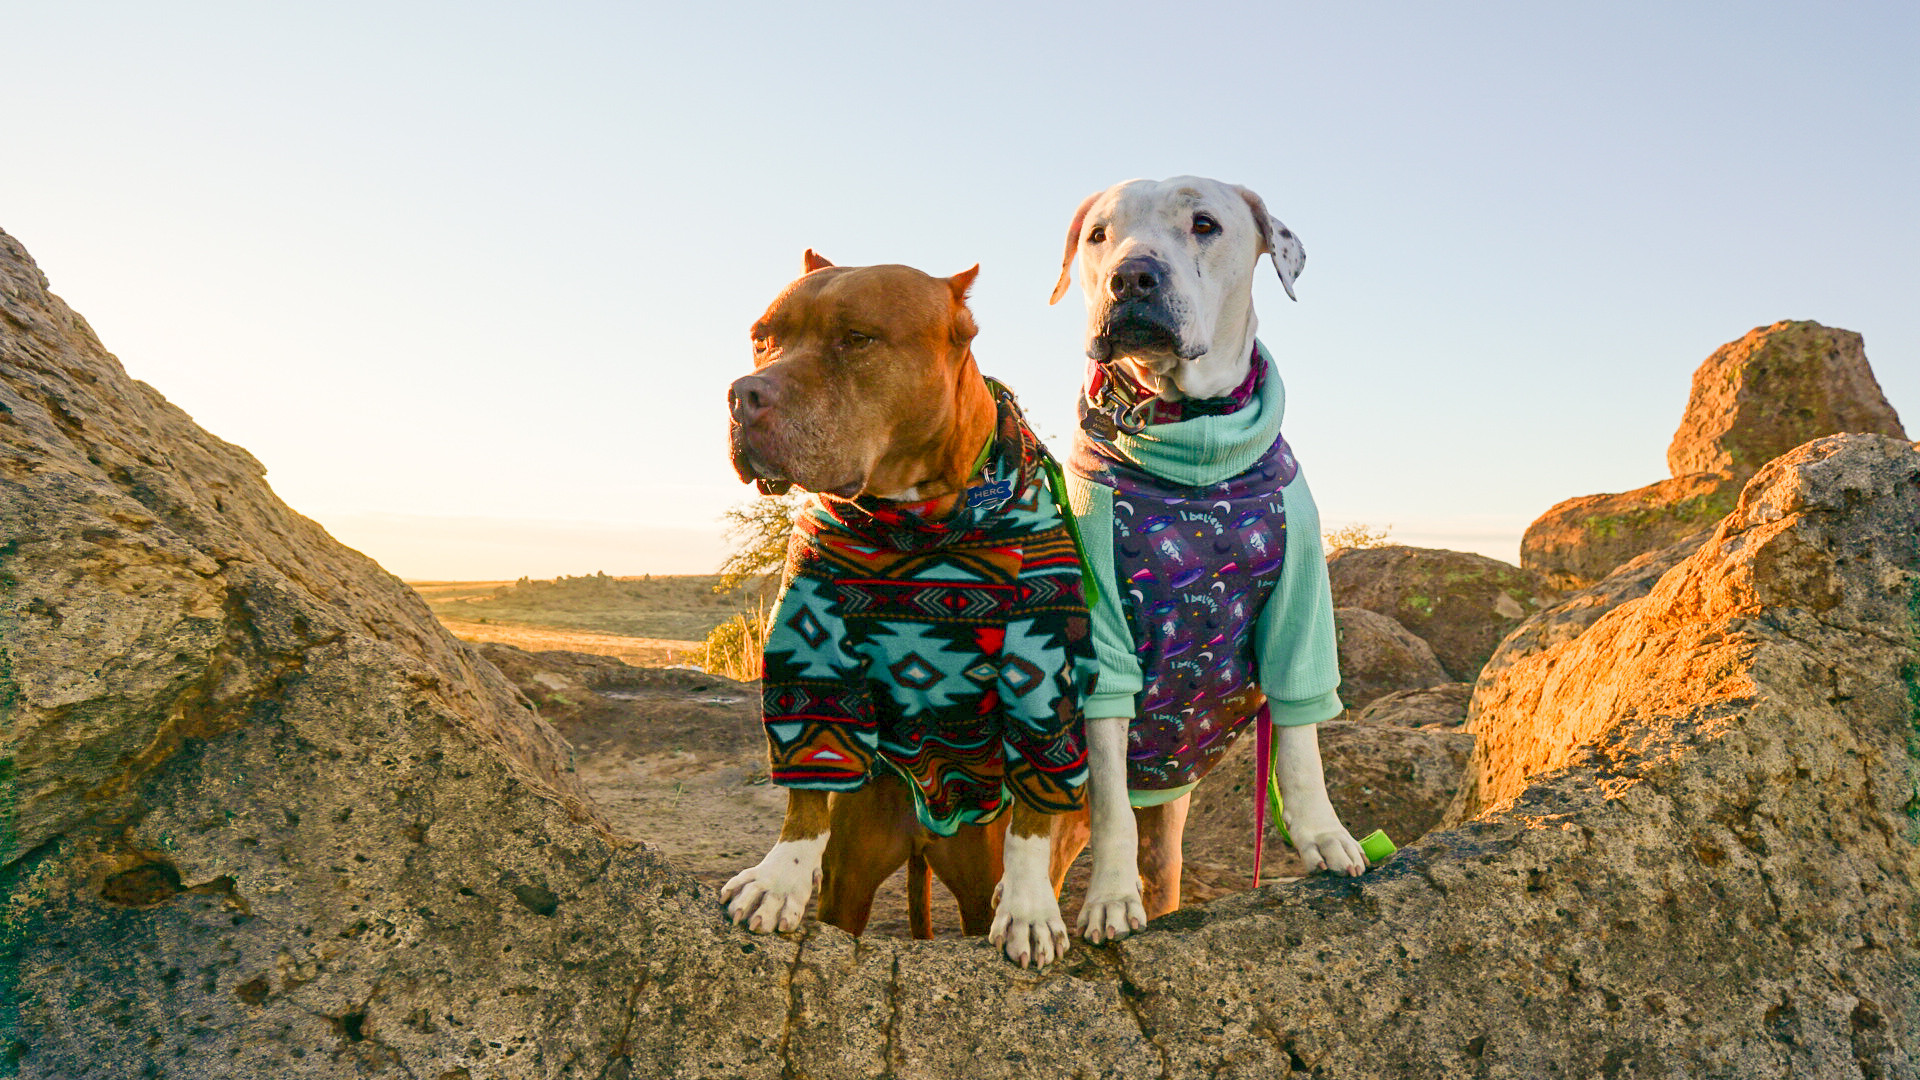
<point>759,529</point>
<point>1357,535</point>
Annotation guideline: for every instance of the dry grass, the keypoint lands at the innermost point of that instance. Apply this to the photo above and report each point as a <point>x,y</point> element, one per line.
<point>638,651</point>
<point>679,607</point>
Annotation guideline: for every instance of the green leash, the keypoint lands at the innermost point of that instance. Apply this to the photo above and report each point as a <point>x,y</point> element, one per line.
<point>1375,845</point>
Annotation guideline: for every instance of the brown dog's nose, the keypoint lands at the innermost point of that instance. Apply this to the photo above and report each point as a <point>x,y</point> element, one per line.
<point>751,396</point>
<point>1136,278</point>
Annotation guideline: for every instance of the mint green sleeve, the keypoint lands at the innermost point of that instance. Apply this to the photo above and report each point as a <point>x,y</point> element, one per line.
<point>1299,656</point>
<point>1119,681</point>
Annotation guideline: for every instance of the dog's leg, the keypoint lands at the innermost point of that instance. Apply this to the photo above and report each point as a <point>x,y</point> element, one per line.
<point>1070,834</point>
<point>919,897</point>
<point>969,865</point>
<point>871,834</point>
<point>1026,915</point>
<point>1162,830</point>
<point>1323,843</point>
<point>1112,909</point>
<point>773,896</point>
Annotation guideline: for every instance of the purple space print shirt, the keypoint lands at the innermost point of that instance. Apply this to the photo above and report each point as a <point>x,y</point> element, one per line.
<point>1195,566</point>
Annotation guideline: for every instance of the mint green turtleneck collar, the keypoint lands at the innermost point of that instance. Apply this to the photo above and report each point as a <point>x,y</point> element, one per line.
<point>1208,449</point>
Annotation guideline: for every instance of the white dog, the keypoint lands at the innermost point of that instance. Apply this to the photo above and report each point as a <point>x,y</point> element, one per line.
<point>1167,268</point>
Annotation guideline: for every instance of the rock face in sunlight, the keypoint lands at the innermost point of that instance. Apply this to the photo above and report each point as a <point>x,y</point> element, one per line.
<point>1780,386</point>
<point>1752,400</point>
<point>264,818</point>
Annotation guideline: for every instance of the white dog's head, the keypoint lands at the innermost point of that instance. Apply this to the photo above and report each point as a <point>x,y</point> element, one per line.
<point>1167,267</point>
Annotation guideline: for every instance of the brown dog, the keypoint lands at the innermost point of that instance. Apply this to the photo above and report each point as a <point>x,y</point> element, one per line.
<point>921,701</point>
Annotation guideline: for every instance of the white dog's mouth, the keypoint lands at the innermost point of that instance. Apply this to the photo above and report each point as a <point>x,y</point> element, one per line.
<point>1145,331</point>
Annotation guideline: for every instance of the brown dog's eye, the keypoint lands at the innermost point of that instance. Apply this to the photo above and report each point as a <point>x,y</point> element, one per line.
<point>1097,234</point>
<point>855,339</point>
<point>1204,225</point>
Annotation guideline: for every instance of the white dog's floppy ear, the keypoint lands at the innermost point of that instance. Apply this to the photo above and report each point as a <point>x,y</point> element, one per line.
<point>1073,245</point>
<point>811,262</point>
<point>1289,255</point>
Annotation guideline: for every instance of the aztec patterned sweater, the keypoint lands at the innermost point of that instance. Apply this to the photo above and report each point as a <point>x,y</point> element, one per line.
<point>1205,545</point>
<point>955,652</point>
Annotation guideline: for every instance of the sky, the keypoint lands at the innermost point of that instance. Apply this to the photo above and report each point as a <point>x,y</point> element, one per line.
<point>471,279</point>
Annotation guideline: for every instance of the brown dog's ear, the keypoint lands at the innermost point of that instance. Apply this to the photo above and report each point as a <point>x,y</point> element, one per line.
<point>964,328</point>
<point>1073,246</point>
<point>1289,255</point>
<point>811,262</point>
<point>962,281</point>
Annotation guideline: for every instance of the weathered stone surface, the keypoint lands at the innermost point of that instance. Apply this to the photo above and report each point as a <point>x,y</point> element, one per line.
<point>1444,705</point>
<point>1570,617</point>
<point>369,868</point>
<point>1752,400</point>
<point>1459,603</point>
<point>1379,656</point>
<point>1779,386</point>
<point>1579,541</point>
<point>1791,578</point>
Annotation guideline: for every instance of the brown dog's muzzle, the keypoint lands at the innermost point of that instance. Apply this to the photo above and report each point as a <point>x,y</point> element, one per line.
<point>749,400</point>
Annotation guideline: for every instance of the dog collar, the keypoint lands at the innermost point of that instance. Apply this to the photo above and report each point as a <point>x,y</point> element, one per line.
<point>1117,403</point>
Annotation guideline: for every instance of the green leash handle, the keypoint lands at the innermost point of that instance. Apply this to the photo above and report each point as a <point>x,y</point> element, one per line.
<point>1375,845</point>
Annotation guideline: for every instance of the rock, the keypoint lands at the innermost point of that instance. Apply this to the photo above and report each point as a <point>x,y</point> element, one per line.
<point>352,850</point>
<point>1753,399</point>
<point>1567,619</point>
<point>1815,575</point>
<point>1582,540</point>
<point>1443,706</point>
<point>1459,603</point>
<point>1379,656</point>
<point>1781,385</point>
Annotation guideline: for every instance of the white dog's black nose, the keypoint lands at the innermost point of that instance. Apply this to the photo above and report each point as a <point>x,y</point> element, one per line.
<point>1136,278</point>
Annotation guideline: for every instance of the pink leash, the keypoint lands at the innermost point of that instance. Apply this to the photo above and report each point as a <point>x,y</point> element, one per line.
<point>1262,776</point>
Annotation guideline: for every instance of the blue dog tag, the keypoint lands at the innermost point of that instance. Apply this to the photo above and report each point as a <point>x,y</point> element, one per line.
<point>998,491</point>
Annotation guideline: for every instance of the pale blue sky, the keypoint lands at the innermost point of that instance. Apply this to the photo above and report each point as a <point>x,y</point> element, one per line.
<point>471,278</point>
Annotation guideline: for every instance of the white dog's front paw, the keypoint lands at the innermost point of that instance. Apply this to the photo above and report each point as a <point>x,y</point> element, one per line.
<point>1325,844</point>
<point>1112,909</point>
<point>1026,915</point>
<point>773,896</point>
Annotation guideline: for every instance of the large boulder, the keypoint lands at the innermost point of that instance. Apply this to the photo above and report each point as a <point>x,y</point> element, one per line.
<point>1582,540</point>
<point>1459,603</point>
<point>351,851</point>
<point>1379,656</point>
<point>1779,386</point>
<point>1752,400</point>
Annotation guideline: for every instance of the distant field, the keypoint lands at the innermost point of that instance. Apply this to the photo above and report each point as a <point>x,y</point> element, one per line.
<point>651,620</point>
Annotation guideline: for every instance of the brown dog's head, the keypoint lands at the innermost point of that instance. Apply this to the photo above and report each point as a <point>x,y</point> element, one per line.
<point>856,380</point>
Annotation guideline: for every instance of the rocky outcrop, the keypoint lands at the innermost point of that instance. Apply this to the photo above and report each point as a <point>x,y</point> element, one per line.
<point>350,852</point>
<point>1570,617</point>
<point>1798,583</point>
<point>1443,706</point>
<point>1459,603</point>
<point>1582,540</point>
<point>1774,389</point>
<point>1379,656</point>
<point>1752,400</point>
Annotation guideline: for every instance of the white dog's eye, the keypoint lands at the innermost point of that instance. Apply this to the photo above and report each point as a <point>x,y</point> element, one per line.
<point>1097,234</point>
<point>1204,225</point>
